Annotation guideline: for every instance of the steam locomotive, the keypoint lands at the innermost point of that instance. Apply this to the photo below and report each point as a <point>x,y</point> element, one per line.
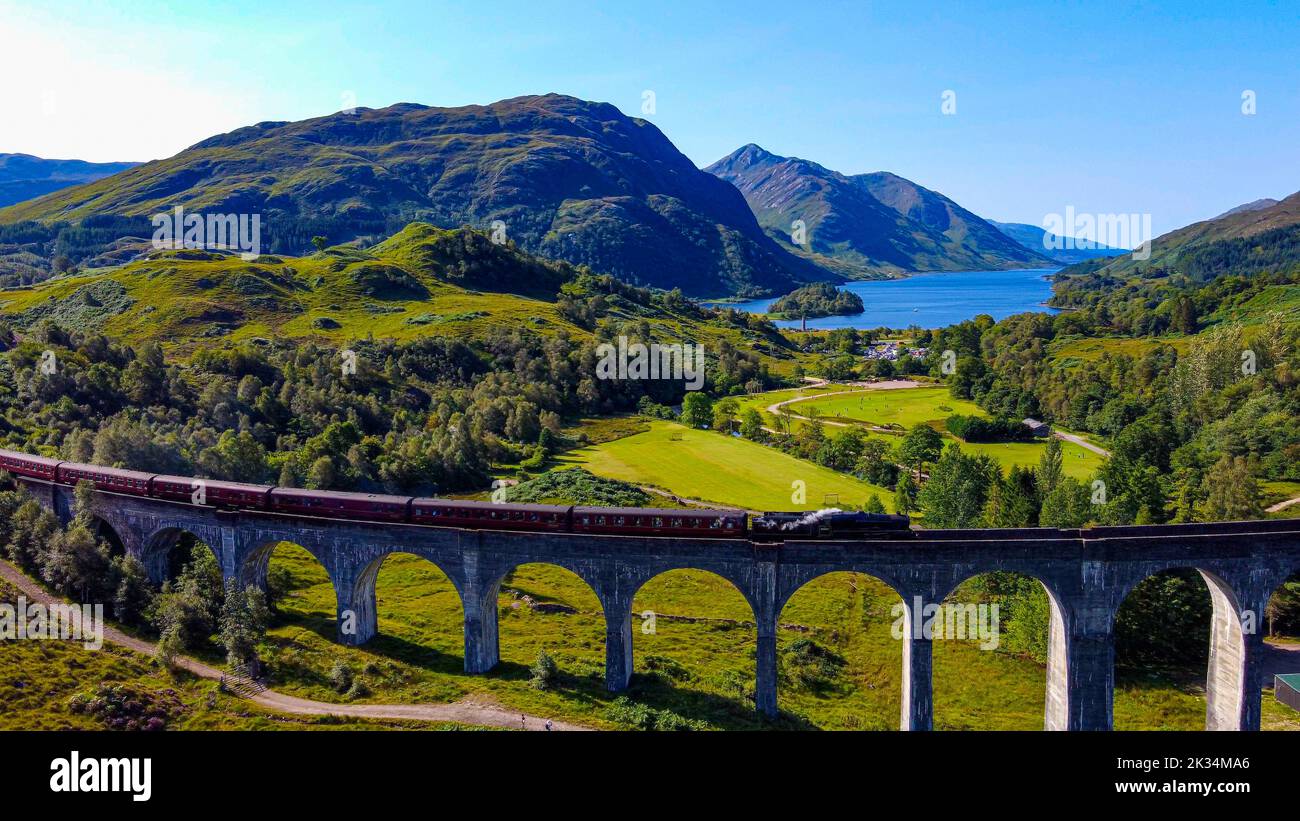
<point>616,521</point>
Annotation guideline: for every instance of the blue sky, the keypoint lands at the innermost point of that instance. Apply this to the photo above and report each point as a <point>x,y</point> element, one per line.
<point>1097,106</point>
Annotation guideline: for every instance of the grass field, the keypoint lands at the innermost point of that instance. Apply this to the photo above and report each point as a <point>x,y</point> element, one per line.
<point>910,407</point>
<point>722,469</point>
<point>907,407</point>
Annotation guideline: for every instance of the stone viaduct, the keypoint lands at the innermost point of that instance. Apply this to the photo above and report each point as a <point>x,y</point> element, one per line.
<point>1086,574</point>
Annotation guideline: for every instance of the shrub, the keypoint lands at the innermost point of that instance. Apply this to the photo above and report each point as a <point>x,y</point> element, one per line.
<point>545,672</point>
<point>341,677</point>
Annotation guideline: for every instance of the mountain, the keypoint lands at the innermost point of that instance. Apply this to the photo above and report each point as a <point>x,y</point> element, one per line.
<point>567,179</point>
<point>1242,242</point>
<point>24,177</point>
<point>1041,241</point>
<point>867,225</point>
<point>1256,205</point>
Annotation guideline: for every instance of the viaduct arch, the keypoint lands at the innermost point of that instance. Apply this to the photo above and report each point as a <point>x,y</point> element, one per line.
<point>1087,575</point>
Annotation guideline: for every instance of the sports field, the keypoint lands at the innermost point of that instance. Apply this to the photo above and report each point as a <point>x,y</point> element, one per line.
<point>906,407</point>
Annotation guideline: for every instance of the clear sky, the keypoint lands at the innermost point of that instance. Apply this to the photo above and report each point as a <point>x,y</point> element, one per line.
<point>1099,106</point>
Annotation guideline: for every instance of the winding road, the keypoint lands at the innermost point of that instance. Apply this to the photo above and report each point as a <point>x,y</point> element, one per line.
<point>461,712</point>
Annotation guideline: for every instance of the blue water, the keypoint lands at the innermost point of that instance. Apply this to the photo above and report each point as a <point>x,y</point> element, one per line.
<point>933,300</point>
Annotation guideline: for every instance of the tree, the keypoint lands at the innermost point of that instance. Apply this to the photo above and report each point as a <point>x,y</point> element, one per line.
<point>244,618</point>
<point>1068,505</point>
<point>697,410</point>
<point>1050,467</point>
<point>319,242</point>
<point>1233,492</point>
<point>875,464</point>
<point>873,505</point>
<point>724,415</point>
<point>1013,501</point>
<point>134,594</point>
<point>921,446</point>
<point>78,566</point>
<point>237,456</point>
<point>751,425</point>
<point>32,530</point>
<point>320,475</point>
<point>545,671</point>
<point>905,494</point>
<point>957,490</point>
<point>842,451</point>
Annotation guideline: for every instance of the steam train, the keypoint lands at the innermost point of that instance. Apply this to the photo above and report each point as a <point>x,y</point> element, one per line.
<point>615,521</point>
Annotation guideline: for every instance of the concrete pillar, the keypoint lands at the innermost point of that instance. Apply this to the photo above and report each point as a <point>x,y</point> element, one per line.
<point>765,686</point>
<point>355,592</point>
<point>1091,681</point>
<point>479,600</point>
<point>1056,713</point>
<point>918,677</point>
<point>763,598</point>
<point>254,569</point>
<point>1232,685</point>
<point>618,642</point>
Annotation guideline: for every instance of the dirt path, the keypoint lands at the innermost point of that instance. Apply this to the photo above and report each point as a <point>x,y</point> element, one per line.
<point>461,712</point>
<point>1282,505</point>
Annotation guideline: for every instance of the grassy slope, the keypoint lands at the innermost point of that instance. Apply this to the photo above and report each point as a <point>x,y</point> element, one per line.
<point>705,668</point>
<point>705,465</point>
<point>181,302</point>
<point>38,679</point>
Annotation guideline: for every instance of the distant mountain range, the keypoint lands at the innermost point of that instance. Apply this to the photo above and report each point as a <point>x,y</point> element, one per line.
<point>24,177</point>
<point>1250,239</point>
<point>1055,248</point>
<point>866,225</point>
<point>561,177</point>
<point>575,181</point>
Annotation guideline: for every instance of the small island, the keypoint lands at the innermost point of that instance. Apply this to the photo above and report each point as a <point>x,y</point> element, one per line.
<point>819,299</point>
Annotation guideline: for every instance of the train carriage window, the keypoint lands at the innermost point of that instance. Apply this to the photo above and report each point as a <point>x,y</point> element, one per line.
<point>715,524</point>
<point>620,521</point>
<point>600,520</point>
<point>677,522</point>
<point>659,522</point>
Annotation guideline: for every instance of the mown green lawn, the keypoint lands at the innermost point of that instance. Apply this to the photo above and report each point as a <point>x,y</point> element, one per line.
<point>906,407</point>
<point>721,469</point>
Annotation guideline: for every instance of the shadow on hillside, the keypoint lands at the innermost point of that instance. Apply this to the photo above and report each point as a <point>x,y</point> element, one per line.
<point>587,691</point>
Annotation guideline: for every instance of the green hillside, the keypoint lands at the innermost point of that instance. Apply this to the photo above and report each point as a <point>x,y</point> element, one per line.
<point>565,178</point>
<point>422,282</point>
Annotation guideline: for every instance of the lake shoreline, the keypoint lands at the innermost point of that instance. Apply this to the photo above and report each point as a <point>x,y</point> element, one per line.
<point>934,299</point>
